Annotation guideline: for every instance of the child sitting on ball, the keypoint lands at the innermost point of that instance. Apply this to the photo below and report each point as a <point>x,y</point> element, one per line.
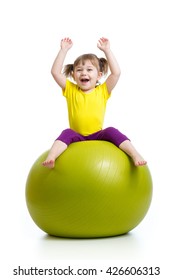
<point>86,100</point>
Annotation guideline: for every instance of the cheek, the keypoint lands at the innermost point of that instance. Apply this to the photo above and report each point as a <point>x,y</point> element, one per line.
<point>76,76</point>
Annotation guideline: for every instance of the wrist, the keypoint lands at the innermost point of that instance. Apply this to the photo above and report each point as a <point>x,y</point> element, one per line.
<point>107,51</point>
<point>64,50</point>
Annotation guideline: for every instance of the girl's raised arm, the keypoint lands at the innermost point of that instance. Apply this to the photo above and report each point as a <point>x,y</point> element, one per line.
<point>57,66</point>
<point>112,79</point>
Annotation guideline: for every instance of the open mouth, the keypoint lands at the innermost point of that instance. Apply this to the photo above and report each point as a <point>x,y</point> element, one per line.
<point>84,80</point>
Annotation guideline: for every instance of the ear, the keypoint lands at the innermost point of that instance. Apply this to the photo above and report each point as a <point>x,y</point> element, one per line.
<point>100,74</point>
<point>72,75</point>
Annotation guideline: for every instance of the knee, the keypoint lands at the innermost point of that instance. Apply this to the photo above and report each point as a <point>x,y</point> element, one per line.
<point>69,136</point>
<point>112,135</point>
<point>115,136</point>
<point>68,130</point>
<point>110,130</point>
<point>69,133</point>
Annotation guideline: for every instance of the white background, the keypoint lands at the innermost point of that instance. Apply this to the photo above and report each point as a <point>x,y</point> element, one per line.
<point>33,112</point>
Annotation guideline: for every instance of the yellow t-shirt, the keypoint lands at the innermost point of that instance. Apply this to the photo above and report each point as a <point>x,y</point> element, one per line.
<point>86,110</point>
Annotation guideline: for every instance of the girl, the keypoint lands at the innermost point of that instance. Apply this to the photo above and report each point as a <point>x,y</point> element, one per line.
<point>86,100</point>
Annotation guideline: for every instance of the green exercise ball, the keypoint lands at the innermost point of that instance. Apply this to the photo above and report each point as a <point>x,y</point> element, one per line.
<point>94,190</point>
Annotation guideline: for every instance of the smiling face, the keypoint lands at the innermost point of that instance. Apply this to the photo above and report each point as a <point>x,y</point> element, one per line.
<point>86,75</point>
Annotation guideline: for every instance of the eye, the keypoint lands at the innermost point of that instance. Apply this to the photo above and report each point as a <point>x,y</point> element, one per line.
<point>90,69</point>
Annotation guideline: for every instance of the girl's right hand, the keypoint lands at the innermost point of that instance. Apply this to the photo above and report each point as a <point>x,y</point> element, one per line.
<point>66,44</point>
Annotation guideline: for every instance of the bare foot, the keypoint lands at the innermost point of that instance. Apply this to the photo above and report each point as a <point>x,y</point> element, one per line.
<point>49,163</point>
<point>139,161</point>
<point>128,148</point>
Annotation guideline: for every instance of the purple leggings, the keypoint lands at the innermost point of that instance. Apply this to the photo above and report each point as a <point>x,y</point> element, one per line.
<point>109,134</point>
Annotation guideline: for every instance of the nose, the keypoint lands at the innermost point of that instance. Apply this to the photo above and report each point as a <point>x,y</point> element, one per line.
<point>84,72</point>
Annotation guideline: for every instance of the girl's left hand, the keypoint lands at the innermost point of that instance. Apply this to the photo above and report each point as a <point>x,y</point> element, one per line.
<point>103,44</point>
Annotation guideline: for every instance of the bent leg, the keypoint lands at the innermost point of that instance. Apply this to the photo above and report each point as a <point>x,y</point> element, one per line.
<point>67,137</point>
<point>56,150</point>
<point>113,135</point>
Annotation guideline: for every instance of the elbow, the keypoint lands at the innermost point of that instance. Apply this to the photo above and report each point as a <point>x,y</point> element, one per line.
<point>55,75</point>
<point>119,73</point>
<point>53,72</point>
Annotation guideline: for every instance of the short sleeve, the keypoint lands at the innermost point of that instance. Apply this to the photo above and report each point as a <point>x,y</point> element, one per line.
<point>105,91</point>
<point>68,87</point>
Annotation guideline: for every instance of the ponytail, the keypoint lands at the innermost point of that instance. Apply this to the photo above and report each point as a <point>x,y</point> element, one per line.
<point>103,64</point>
<point>68,70</point>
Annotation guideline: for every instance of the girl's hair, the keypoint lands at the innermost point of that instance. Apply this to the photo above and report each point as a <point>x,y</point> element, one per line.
<point>100,63</point>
